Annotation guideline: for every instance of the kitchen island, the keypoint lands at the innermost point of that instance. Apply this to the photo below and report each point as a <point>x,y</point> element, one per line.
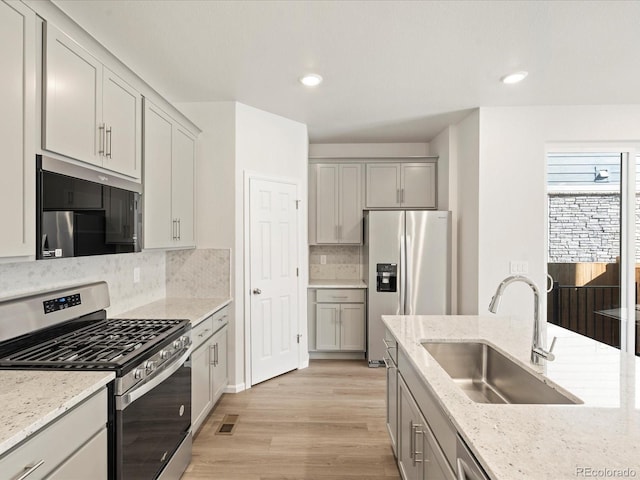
<point>600,437</point>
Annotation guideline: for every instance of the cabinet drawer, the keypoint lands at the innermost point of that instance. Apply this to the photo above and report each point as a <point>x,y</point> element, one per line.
<point>58,441</point>
<point>201,332</point>
<point>335,295</point>
<point>220,318</point>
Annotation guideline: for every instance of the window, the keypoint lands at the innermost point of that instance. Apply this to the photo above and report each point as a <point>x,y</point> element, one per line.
<point>594,245</point>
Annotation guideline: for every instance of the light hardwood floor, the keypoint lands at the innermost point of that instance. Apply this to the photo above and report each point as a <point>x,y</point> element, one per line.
<point>325,422</point>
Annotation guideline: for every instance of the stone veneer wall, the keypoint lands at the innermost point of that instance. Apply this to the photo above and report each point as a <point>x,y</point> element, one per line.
<point>585,227</point>
<point>344,262</point>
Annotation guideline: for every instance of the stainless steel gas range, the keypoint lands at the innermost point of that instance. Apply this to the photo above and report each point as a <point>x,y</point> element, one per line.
<point>150,406</point>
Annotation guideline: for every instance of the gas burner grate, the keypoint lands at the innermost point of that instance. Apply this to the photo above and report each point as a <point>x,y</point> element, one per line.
<point>104,343</point>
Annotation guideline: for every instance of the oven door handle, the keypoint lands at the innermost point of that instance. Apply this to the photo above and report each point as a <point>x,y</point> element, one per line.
<point>127,399</point>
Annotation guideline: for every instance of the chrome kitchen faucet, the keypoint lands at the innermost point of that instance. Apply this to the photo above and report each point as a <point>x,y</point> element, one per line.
<point>537,343</point>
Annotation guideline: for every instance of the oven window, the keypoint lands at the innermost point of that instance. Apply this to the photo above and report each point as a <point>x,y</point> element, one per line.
<point>150,429</point>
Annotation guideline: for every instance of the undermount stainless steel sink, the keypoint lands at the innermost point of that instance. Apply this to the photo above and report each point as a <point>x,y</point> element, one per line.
<point>487,376</point>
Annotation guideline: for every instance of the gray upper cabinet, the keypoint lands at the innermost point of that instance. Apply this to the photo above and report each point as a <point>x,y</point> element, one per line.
<point>401,185</point>
<point>169,179</point>
<point>337,204</point>
<point>90,113</point>
<point>17,124</point>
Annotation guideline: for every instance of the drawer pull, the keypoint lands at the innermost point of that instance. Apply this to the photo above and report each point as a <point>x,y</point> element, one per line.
<point>339,296</point>
<point>386,344</point>
<point>29,469</point>
<point>203,333</point>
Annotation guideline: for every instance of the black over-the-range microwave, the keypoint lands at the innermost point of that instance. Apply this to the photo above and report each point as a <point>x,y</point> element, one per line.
<point>83,212</point>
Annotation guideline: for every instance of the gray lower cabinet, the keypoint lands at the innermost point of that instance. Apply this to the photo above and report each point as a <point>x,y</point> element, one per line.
<point>425,437</point>
<point>340,319</point>
<point>74,446</point>
<point>391,362</point>
<point>209,375</point>
<point>419,455</point>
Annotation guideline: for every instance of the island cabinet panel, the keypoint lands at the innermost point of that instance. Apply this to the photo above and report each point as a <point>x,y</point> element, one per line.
<point>419,454</point>
<point>439,423</point>
<point>17,124</point>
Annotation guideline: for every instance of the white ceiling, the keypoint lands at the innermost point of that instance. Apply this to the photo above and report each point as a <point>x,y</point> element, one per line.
<point>394,71</point>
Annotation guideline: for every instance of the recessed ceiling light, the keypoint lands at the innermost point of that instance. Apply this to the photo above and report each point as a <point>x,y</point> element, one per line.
<point>311,80</point>
<point>514,77</point>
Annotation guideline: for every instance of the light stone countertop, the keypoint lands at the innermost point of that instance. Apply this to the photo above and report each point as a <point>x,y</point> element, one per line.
<point>337,284</point>
<point>539,442</point>
<point>194,309</point>
<point>30,400</point>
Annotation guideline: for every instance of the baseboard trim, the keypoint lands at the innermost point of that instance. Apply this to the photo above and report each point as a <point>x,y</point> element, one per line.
<point>237,388</point>
<point>336,355</point>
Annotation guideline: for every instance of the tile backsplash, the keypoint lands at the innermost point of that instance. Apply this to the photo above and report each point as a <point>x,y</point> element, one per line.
<point>343,262</point>
<point>117,270</point>
<point>202,273</point>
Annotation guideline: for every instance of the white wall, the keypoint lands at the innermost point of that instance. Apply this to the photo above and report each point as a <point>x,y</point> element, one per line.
<point>272,146</point>
<point>512,191</point>
<point>466,193</point>
<point>445,147</point>
<point>368,150</point>
<point>238,140</point>
<point>215,172</point>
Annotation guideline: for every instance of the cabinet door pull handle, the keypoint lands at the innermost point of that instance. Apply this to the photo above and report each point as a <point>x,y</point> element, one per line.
<point>101,140</point>
<point>179,229</point>
<point>402,195</point>
<point>29,469</point>
<point>109,135</point>
<point>415,432</point>
<point>212,354</point>
<point>411,440</point>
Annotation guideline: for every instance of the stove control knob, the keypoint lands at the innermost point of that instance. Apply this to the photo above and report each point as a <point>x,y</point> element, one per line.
<point>177,344</point>
<point>149,366</point>
<point>164,354</point>
<point>138,373</point>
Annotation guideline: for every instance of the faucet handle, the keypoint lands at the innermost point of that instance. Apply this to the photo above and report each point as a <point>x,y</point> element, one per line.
<point>550,356</point>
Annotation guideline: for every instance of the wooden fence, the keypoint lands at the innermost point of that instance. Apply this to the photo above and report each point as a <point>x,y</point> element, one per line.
<point>586,299</point>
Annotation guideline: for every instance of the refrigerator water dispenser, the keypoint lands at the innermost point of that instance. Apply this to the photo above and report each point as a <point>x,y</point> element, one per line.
<point>387,277</point>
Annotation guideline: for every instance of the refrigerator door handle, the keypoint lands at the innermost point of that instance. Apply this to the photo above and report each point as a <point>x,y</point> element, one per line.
<point>408,310</point>
<point>402,279</point>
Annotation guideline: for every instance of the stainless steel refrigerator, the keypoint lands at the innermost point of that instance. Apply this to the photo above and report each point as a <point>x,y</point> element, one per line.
<point>407,255</point>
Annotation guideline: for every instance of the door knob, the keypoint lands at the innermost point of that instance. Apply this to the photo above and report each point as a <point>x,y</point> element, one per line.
<point>257,291</point>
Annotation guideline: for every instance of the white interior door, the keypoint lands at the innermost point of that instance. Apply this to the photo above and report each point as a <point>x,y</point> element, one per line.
<point>273,281</point>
